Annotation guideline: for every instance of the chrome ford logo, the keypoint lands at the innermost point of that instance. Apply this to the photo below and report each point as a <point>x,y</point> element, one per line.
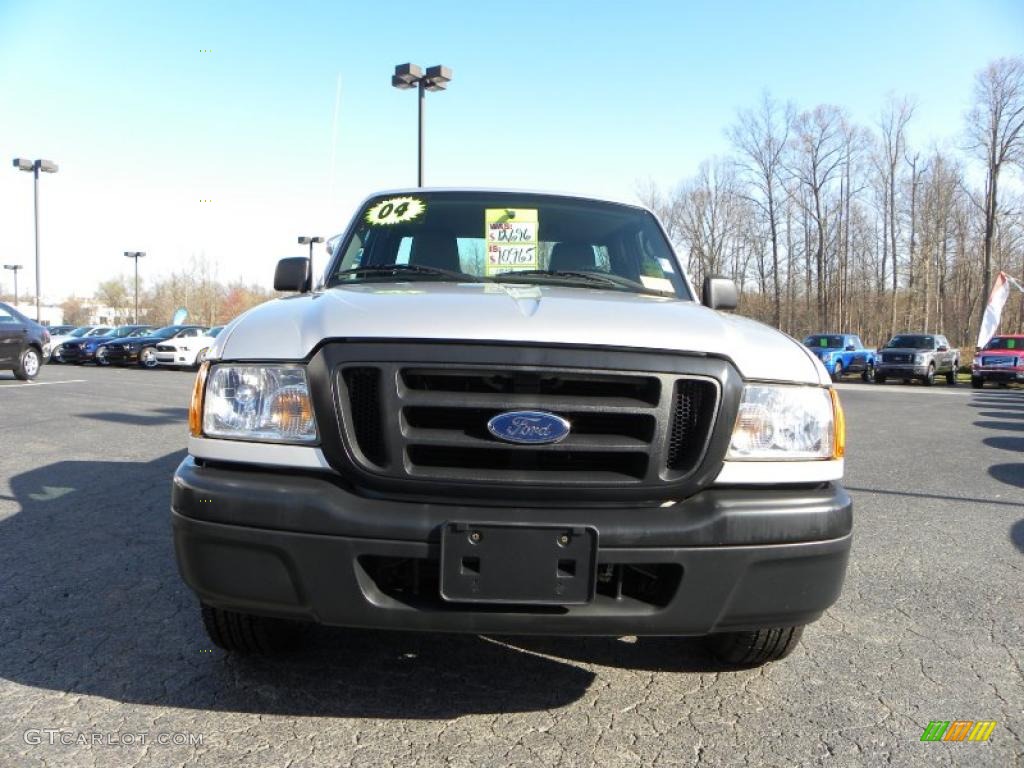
<point>529,427</point>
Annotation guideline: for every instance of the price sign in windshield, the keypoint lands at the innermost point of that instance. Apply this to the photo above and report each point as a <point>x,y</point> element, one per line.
<point>512,239</point>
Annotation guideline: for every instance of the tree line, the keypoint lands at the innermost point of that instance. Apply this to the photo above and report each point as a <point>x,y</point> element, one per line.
<point>209,301</point>
<point>827,225</point>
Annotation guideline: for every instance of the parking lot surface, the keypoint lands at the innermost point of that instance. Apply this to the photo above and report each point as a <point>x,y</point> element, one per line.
<point>100,643</point>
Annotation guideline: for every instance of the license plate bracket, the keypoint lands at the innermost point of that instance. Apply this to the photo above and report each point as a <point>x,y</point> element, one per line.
<point>522,564</point>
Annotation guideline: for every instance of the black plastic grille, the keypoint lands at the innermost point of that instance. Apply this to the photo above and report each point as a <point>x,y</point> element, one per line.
<point>416,422</point>
<point>690,421</point>
<point>363,386</point>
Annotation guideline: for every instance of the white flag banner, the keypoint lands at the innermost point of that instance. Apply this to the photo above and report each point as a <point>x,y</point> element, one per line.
<point>994,308</point>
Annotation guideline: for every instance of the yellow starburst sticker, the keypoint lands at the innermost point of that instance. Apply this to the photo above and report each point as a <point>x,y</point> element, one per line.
<point>395,210</point>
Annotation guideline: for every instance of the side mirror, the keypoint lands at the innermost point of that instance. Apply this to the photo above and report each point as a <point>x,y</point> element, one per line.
<point>942,348</point>
<point>719,293</point>
<point>850,348</point>
<point>293,274</point>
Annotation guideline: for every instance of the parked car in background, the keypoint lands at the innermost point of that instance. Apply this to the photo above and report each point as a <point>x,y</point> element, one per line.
<point>142,349</point>
<point>186,351</point>
<point>55,331</point>
<point>921,356</point>
<point>842,353</point>
<point>21,343</point>
<point>1001,361</point>
<point>82,332</point>
<point>88,348</point>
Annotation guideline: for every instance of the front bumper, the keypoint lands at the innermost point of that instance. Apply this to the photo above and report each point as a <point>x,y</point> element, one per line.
<point>998,374</point>
<point>121,355</point>
<point>302,546</point>
<point>77,355</point>
<point>897,370</point>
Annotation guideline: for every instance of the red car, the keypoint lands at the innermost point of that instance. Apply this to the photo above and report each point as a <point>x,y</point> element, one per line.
<point>1001,360</point>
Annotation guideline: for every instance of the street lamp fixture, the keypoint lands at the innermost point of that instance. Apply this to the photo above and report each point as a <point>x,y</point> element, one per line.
<point>412,76</point>
<point>37,166</point>
<point>14,268</point>
<point>136,255</point>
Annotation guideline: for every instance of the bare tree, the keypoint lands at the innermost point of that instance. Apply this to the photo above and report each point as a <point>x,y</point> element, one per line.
<point>995,130</point>
<point>893,127</point>
<point>761,137</point>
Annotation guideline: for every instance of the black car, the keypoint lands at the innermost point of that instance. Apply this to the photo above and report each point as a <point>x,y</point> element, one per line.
<point>89,348</point>
<point>21,343</point>
<point>142,349</point>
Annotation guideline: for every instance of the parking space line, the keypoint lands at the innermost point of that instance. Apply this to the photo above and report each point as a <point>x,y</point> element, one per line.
<point>23,384</point>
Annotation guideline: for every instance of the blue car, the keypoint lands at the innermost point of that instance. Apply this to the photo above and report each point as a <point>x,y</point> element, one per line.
<point>842,353</point>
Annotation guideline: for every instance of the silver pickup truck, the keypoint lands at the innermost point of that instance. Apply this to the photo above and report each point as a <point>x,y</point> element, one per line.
<point>504,412</point>
<point>921,356</point>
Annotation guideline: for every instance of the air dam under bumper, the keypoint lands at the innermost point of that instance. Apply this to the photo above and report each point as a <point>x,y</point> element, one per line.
<point>300,546</point>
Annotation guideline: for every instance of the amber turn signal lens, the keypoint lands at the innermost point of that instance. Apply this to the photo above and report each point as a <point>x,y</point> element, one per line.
<point>839,419</point>
<point>195,408</point>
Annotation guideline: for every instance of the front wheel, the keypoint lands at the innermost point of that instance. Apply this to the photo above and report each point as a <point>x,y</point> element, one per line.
<point>868,377</point>
<point>245,633</point>
<point>28,364</point>
<point>951,376</point>
<point>147,358</point>
<point>837,372</point>
<point>929,377</point>
<point>101,357</point>
<point>977,382</point>
<point>751,649</point>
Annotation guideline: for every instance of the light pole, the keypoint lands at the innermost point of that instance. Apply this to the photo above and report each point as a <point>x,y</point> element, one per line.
<point>46,166</point>
<point>436,79</point>
<point>14,268</point>
<point>310,240</point>
<point>136,255</point>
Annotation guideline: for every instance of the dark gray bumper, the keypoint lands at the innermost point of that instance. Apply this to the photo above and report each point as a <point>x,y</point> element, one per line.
<point>301,546</point>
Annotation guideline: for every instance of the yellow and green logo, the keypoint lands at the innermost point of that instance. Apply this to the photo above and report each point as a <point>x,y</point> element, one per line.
<point>958,730</point>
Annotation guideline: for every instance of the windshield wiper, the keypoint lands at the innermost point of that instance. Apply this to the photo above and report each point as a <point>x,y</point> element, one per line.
<point>406,271</point>
<point>616,281</point>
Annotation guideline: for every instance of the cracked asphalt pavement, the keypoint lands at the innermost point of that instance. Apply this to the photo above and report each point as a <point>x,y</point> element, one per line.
<point>99,639</point>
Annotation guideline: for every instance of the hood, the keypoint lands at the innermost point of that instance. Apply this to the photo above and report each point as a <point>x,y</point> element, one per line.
<point>1000,353</point>
<point>136,340</point>
<point>290,328</point>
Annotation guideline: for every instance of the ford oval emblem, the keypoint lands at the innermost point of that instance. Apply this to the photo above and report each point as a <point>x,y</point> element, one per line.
<point>529,427</point>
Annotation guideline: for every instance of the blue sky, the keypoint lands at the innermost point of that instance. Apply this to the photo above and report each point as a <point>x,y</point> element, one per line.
<point>581,96</point>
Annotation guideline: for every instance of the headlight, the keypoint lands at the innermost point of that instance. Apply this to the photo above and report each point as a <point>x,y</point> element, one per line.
<point>259,402</point>
<point>788,422</point>
<point>976,361</point>
<point>919,359</point>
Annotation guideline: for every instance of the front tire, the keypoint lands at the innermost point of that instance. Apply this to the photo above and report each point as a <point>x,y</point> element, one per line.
<point>951,376</point>
<point>837,372</point>
<point>977,382</point>
<point>28,364</point>
<point>245,633</point>
<point>147,358</point>
<point>751,649</point>
<point>929,378</point>
<point>868,377</point>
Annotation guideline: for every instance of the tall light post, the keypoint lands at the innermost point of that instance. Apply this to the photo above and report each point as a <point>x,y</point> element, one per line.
<point>136,255</point>
<point>411,76</point>
<point>310,240</point>
<point>14,268</point>
<point>46,166</point>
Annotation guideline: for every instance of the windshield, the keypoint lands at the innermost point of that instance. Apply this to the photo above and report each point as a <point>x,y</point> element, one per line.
<point>140,332</point>
<point>79,332</point>
<point>98,332</point>
<point>166,332</point>
<point>124,330</point>
<point>212,333</point>
<point>911,342</point>
<point>508,237</point>
<point>828,342</point>
<point>1004,342</point>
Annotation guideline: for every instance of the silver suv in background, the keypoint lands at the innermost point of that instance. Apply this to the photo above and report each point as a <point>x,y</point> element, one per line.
<point>921,356</point>
<point>510,412</point>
